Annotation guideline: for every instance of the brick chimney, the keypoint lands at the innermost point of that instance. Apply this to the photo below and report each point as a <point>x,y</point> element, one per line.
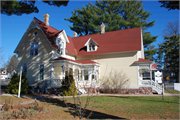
<point>102,28</point>
<point>75,34</point>
<point>46,19</point>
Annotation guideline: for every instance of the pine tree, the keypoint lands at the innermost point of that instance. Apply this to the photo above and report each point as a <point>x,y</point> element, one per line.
<point>116,15</point>
<point>13,86</point>
<point>170,48</point>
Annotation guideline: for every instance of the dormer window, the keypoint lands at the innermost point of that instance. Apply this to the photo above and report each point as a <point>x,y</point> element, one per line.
<point>91,45</point>
<point>60,44</point>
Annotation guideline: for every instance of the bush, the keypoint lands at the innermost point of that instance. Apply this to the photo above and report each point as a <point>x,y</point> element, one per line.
<point>114,82</point>
<point>13,86</point>
<point>68,86</point>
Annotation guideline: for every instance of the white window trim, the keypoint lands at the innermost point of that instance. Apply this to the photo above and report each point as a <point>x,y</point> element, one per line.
<point>34,49</point>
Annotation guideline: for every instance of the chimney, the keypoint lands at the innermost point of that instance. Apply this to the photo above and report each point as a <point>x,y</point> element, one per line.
<point>102,28</point>
<point>46,19</point>
<point>75,34</point>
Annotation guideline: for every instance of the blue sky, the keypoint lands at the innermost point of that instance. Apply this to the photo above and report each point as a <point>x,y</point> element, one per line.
<point>13,27</point>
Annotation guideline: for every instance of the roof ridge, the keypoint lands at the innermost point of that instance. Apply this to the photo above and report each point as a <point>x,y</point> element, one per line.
<point>106,32</point>
<point>49,25</point>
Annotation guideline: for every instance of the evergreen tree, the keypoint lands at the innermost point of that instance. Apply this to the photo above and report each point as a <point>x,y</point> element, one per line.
<point>150,52</point>
<point>13,86</point>
<point>25,6</point>
<point>116,15</point>
<point>170,5</point>
<point>68,86</point>
<point>170,48</point>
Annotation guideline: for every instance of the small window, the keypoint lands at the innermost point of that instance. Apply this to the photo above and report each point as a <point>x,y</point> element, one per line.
<point>34,49</point>
<point>35,33</point>
<point>91,47</point>
<point>60,44</point>
<point>41,72</point>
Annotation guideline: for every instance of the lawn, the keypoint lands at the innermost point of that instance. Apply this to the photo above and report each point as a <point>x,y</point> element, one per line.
<point>126,107</point>
<point>171,91</point>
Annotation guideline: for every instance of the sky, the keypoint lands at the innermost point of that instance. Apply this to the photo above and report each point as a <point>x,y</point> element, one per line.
<point>13,27</point>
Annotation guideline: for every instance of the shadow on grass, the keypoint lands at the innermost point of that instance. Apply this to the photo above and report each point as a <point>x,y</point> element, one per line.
<point>151,99</point>
<point>95,114</point>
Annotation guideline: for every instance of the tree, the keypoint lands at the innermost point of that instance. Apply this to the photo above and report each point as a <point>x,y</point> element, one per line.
<point>170,48</point>
<point>11,64</point>
<point>150,52</point>
<point>172,28</point>
<point>13,86</point>
<point>116,15</point>
<point>25,7</point>
<point>68,86</point>
<point>170,5</point>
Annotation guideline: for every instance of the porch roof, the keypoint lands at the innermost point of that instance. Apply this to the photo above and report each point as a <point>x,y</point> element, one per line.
<point>76,61</point>
<point>143,60</point>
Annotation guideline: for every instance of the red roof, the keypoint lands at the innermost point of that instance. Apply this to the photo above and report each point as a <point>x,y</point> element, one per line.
<point>50,32</point>
<point>109,42</point>
<point>142,60</point>
<point>76,61</point>
<point>154,66</point>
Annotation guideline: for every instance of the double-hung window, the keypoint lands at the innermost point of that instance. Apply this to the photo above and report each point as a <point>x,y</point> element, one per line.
<point>41,72</point>
<point>34,49</point>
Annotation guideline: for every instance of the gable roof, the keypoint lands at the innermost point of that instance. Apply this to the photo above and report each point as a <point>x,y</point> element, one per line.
<point>50,32</point>
<point>110,42</point>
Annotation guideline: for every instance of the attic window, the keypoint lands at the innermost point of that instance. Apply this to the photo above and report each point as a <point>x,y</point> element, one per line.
<point>35,33</point>
<point>91,47</point>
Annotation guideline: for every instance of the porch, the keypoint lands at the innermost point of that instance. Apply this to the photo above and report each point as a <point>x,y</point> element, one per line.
<point>85,72</point>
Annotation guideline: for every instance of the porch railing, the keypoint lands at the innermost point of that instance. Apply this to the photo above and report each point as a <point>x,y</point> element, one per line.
<point>155,86</point>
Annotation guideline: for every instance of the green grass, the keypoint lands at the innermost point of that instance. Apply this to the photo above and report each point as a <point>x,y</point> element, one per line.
<point>126,107</point>
<point>171,91</point>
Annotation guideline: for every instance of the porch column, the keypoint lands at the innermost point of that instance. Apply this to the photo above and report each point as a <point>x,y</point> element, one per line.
<point>52,69</point>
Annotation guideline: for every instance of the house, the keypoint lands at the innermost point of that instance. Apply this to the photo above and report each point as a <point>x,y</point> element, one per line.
<point>46,54</point>
<point>4,75</point>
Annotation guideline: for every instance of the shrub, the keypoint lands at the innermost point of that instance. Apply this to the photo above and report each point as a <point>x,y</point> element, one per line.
<point>68,86</point>
<point>13,86</point>
<point>114,82</point>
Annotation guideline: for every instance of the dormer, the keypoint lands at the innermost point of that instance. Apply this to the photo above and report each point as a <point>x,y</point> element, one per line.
<point>61,41</point>
<point>91,45</point>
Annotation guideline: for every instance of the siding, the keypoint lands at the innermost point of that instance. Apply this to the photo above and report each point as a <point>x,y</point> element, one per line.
<point>44,56</point>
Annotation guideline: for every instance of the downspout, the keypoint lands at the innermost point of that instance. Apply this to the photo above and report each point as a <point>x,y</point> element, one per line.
<point>137,70</point>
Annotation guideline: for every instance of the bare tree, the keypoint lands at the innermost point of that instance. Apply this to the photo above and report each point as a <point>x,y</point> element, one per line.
<point>78,110</point>
<point>172,29</point>
<point>12,63</point>
<point>115,80</point>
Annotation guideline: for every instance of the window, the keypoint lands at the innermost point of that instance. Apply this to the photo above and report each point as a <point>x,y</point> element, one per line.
<point>60,44</point>
<point>24,69</point>
<point>34,49</point>
<point>86,75</point>
<point>35,33</point>
<point>91,47</point>
<point>41,72</point>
